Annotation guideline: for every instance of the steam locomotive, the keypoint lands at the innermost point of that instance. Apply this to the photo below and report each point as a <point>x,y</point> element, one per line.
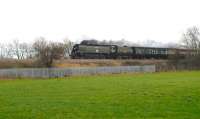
<point>95,51</point>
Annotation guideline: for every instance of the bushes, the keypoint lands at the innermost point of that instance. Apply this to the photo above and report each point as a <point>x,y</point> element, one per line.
<point>175,63</point>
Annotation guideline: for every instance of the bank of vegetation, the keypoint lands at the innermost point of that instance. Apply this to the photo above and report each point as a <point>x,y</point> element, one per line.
<point>43,53</point>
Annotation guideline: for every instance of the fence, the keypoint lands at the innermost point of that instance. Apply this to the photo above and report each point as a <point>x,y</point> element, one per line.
<point>63,72</point>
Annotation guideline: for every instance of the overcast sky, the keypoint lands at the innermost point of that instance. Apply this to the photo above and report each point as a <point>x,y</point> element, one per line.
<point>134,20</point>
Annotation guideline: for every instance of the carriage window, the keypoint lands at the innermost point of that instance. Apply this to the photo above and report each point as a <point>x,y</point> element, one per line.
<point>113,49</point>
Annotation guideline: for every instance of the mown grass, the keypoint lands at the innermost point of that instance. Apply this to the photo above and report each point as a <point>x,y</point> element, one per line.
<point>172,95</point>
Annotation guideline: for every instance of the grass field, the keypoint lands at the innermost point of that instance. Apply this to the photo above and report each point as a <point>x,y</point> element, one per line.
<point>173,95</point>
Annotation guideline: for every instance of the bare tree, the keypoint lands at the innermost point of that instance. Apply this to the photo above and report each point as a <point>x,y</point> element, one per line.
<point>46,52</point>
<point>6,51</point>
<point>9,51</point>
<point>191,38</point>
<point>26,51</point>
<point>68,45</point>
<point>2,51</point>
<point>21,50</point>
<point>16,51</point>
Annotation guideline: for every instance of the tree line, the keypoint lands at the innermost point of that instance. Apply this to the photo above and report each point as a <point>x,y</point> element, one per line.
<point>43,52</point>
<point>190,40</point>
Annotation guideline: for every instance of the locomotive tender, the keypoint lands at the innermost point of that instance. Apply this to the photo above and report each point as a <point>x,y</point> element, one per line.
<point>95,51</point>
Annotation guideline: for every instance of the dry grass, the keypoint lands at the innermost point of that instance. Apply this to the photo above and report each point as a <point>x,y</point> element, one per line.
<point>10,63</point>
<point>103,62</point>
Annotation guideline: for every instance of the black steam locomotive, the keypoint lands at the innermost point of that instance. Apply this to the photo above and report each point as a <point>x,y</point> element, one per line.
<point>95,51</point>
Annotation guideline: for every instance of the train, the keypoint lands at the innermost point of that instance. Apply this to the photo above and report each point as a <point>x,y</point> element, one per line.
<point>96,51</point>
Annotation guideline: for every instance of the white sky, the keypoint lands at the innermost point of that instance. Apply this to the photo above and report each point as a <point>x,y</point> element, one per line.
<point>135,20</point>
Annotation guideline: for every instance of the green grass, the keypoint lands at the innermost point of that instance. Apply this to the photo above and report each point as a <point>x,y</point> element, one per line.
<point>172,95</point>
